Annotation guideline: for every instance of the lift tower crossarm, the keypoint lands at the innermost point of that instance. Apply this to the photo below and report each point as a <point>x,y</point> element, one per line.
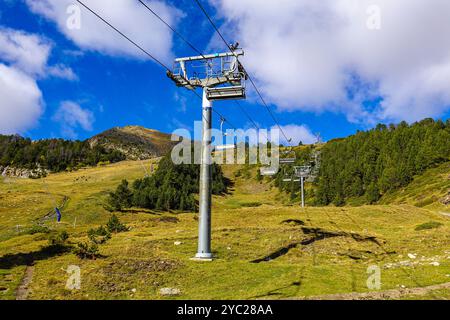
<point>212,56</point>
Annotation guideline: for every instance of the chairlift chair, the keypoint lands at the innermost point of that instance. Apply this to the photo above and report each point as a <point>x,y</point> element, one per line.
<point>224,146</point>
<point>290,159</point>
<point>268,172</point>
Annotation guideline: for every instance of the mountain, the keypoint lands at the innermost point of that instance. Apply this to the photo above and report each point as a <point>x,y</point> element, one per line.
<point>22,157</point>
<point>134,141</point>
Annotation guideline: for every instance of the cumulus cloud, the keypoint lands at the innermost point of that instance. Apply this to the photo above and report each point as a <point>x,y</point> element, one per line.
<point>63,72</point>
<point>27,52</point>
<point>23,61</point>
<point>21,100</point>
<point>30,54</point>
<point>70,115</point>
<point>321,55</point>
<point>127,15</point>
<point>298,133</point>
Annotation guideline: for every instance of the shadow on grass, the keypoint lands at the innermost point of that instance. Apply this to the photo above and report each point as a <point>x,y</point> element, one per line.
<point>276,292</point>
<point>27,259</point>
<point>318,234</point>
<point>141,210</point>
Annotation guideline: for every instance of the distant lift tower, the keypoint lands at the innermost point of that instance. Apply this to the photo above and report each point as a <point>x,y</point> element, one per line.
<point>300,174</point>
<point>221,77</point>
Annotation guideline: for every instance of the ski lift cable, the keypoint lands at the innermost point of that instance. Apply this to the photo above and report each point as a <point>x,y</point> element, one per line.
<point>177,33</point>
<point>136,45</point>
<point>289,140</point>
<point>129,39</point>
<point>171,28</point>
<point>125,36</point>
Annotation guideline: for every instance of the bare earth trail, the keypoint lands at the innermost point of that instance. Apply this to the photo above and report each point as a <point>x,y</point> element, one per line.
<point>382,295</point>
<point>23,290</point>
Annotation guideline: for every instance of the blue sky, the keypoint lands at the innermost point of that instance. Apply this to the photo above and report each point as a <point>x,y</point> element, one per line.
<point>105,89</point>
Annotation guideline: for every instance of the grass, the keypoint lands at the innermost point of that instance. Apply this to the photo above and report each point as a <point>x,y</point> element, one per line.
<point>247,225</point>
<point>428,225</point>
<point>425,191</point>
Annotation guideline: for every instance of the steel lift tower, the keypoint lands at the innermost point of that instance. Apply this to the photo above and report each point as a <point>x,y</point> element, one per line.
<point>221,77</point>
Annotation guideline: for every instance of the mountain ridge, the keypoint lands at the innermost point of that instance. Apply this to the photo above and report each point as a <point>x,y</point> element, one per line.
<point>135,142</point>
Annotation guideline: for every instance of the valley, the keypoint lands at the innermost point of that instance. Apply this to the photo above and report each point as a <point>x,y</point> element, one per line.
<point>265,246</point>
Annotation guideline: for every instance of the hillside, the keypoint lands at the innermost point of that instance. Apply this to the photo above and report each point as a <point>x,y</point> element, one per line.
<point>362,168</point>
<point>134,141</point>
<point>263,247</point>
<point>429,190</point>
<point>22,157</point>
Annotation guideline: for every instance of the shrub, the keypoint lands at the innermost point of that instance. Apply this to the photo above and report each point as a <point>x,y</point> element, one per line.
<point>251,204</point>
<point>99,235</point>
<point>86,250</point>
<point>59,239</point>
<point>115,226</point>
<point>428,225</point>
<point>121,198</point>
<point>38,229</point>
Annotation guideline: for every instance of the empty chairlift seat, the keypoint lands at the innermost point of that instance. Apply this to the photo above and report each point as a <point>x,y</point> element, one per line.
<point>268,171</point>
<point>226,93</point>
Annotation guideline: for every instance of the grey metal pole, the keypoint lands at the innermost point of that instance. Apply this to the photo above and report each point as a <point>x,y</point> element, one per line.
<point>204,228</point>
<point>303,193</point>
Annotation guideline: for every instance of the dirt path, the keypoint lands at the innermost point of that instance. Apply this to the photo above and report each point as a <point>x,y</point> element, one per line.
<point>382,295</point>
<point>23,290</point>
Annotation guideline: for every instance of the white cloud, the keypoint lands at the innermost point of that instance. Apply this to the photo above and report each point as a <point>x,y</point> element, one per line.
<point>63,72</point>
<point>127,15</point>
<point>24,60</point>
<point>71,115</point>
<point>21,100</point>
<point>28,52</point>
<point>321,56</point>
<point>297,133</point>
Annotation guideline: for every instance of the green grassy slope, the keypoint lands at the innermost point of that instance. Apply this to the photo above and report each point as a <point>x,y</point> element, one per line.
<point>426,190</point>
<point>248,225</point>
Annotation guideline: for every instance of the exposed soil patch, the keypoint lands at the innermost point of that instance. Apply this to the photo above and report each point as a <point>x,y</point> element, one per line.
<point>168,219</point>
<point>118,274</point>
<point>382,295</point>
<point>23,290</point>
<point>318,234</point>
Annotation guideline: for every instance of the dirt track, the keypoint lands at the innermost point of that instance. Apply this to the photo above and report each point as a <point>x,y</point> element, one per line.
<point>383,295</point>
<point>23,290</point>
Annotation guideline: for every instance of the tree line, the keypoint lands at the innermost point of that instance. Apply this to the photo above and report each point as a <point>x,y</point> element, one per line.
<point>54,155</point>
<point>368,164</point>
<point>172,187</point>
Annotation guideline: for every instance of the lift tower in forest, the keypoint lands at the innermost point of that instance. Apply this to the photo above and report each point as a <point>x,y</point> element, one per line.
<point>221,77</point>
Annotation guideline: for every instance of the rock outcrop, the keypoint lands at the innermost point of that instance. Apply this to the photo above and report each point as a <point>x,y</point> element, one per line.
<point>13,172</point>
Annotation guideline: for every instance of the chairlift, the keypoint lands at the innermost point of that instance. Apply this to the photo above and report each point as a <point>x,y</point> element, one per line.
<point>268,172</point>
<point>302,171</point>
<point>226,93</point>
<point>224,146</point>
<point>291,157</point>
